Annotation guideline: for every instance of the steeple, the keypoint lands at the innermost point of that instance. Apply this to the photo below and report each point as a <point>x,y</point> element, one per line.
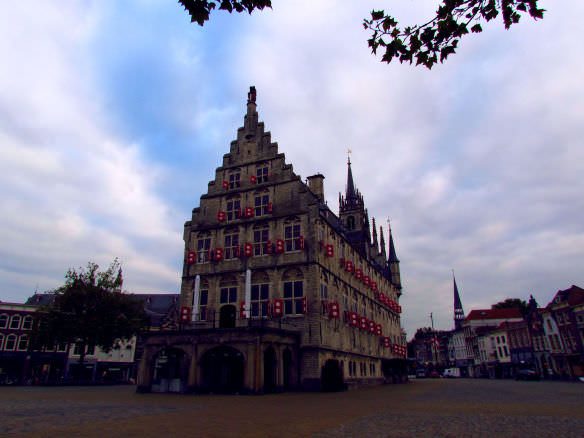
<point>458,311</point>
<point>382,242</point>
<point>393,263</point>
<point>375,243</point>
<point>350,189</point>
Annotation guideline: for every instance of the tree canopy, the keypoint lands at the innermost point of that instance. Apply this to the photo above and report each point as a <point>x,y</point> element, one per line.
<point>512,303</point>
<point>90,310</point>
<point>425,43</point>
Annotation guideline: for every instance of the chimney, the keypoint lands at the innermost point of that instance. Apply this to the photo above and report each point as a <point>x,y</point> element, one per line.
<point>316,186</point>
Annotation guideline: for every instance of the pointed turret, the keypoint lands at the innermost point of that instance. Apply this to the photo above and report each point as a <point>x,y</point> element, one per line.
<point>458,311</point>
<point>382,242</point>
<point>354,216</point>
<point>375,244</point>
<point>350,192</point>
<point>393,262</point>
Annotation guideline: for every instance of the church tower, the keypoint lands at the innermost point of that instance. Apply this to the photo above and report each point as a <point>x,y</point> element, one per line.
<point>458,311</point>
<point>393,263</point>
<point>354,216</point>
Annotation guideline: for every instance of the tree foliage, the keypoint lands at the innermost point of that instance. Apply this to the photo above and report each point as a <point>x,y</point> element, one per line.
<point>512,303</point>
<point>90,310</point>
<point>438,38</point>
<point>425,43</point>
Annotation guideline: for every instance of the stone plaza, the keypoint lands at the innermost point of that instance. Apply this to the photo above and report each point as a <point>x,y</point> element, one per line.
<point>421,408</point>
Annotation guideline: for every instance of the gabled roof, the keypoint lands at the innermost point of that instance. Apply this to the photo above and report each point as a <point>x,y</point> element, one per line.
<point>493,314</point>
<point>572,296</point>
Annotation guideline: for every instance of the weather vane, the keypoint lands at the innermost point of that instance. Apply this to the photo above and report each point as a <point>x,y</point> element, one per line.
<point>349,152</point>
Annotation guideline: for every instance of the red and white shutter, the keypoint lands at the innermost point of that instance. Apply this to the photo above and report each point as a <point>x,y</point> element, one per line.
<point>301,242</point>
<point>253,179</point>
<point>364,323</point>
<point>372,327</point>
<point>221,216</point>
<point>279,245</point>
<point>191,257</point>
<point>247,249</point>
<point>330,250</point>
<point>366,280</point>
<point>218,254</point>
<point>349,266</point>
<point>185,314</point>
<point>242,310</point>
<point>354,319</point>
<point>225,184</point>
<point>358,274</point>
<point>248,212</point>
<point>304,305</point>
<point>277,307</point>
<point>334,310</point>
<point>269,247</point>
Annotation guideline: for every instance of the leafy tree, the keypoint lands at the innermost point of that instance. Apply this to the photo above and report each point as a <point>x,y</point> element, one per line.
<point>427,43</point>
<point>90,310</point>
<point>512,303</point>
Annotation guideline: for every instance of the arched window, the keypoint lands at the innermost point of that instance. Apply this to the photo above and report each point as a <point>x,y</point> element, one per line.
<point>27,322</point>
<point>10,344</point>
<point>3,321</point>
<point>23,343</point>
<point>15,322</point>
<point>351,223</point>
<point>1,341</point>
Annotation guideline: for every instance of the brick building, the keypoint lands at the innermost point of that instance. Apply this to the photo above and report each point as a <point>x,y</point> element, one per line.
<point>278,292</point>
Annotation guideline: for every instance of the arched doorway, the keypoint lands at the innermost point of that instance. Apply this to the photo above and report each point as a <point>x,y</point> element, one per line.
<point>170,371</point>
<point>287,369</point>
<point>222,370</point>
<point>332,376</point>
<point>269,370</point>
<point>227,316</point>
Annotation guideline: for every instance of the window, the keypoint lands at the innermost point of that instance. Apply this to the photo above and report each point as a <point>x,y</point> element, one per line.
<point>350,223</point>
<point>234,180</point>
<point>505,350</point>
<point>10,342</point>
<point>260,295</point>
<point>323,291</point>
<point>228,295</point>
<point>262,174</point>
<point>27,322</point>
<point>203,247</point>
<point>231,245</point>
<point>62,348</point>
<point>292,237</point>
<point>498,340</point>
<point>3,320</point>
<point>15,322</point>
<point>1,341</point>
<point>203,301</point>
<point>233,209</point>
<point>293,294</point>
<point>261,205</point>
<point>23,343</point>
<point>260,240</point>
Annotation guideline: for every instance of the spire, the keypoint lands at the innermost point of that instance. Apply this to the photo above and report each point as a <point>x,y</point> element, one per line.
<point>393,262</point>
<point>392,253</point>
<point>350,192</point>
<point>382,242</point>
<point>458,311</point>
<point>375,244</point>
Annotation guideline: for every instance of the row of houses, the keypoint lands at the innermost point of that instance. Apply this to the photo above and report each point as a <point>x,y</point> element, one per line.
<point>499,343</point>
<point>20,364</point>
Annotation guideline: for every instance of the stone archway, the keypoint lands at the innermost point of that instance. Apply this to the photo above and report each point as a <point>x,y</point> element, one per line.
<point>269,370</point>
<point>332,376</point>
<point>222,370</point>
<point>170,370</point>
<point>227,316</point>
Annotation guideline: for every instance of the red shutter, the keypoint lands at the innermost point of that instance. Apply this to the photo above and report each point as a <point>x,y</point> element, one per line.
<point>358,274</point>
<point>330,250</point>
<point>349,266</point>
<point>279,245</point>
<point>218,254</point>
<point>269,207</point>
<point>225,184</point>
<point>399,309</point>
<point>247,249</point>
<point>277,307</point>
<point>253,179</point>
<point>378,329</point>
<point>185,314</point>
<point>366,280</point>
<point>248,212</point>
<point>301,242</point>
<point>220,216</point>
<point>334,310</point>
<point>304,305</point>
<point>242,309</point>
<point>372,327</point>
<point>354,319</point>
<point>237,251</point>
<point>364,323</point>
<point>386,342</point>
<point>374,286</point>
<point>191,257</point>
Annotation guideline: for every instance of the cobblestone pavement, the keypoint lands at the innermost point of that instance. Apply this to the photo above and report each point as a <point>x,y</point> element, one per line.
<point>423,408</point>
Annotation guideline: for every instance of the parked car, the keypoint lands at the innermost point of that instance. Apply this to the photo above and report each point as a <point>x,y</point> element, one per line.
<point>526,374</point>
<point>434,374</point>
<point>451,372</point>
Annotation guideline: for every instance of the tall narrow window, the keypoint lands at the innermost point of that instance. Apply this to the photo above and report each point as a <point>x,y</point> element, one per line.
<point>231,245</point>
<point>234,180</point>
<point>27,322</point>
<point>260,295</point>
<point>3,320</point>
<point>293,294</point>
<point>203,302</point>
<point>262,174</point>
<point>10,342</point>
<point>233,209</point>
<point>15,322</point>
<point>23,343</point>
<point>260,240</point>
<point>292,237</point>
<point>203,247</point>
<point>261,205</point>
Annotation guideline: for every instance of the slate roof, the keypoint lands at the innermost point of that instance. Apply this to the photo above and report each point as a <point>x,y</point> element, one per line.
<point>493,314</point>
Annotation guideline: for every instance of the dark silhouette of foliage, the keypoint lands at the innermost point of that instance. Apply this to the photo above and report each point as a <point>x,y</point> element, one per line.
<point>425,43</point>
<point>90,310</point>
<point>513,303</point>
<point>438,38</point>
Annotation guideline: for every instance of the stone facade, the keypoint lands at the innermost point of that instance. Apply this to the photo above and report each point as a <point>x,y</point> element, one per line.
<point>289,294</point>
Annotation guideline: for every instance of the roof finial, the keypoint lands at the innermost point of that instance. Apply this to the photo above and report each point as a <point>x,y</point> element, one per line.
<point>349,152</point>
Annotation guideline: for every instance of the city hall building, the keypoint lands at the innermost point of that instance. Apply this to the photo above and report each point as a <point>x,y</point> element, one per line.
<point>278,292</point>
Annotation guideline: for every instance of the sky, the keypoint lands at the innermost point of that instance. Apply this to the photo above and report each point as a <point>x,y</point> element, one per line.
<point>115,114</point>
